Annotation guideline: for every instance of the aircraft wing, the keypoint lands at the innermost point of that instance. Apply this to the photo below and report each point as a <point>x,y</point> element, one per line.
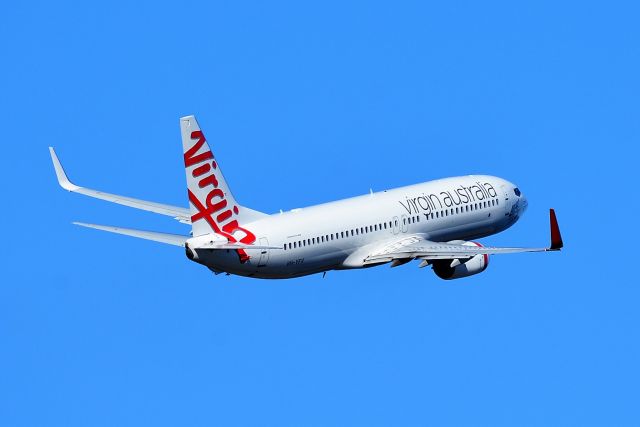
<point>416,247</point>
<point>181,214</point>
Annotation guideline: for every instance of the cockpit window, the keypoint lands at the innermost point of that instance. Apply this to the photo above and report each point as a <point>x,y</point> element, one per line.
<point>517,191</point>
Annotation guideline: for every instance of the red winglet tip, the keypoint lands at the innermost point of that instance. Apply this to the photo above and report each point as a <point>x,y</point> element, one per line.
<point>556,237</point>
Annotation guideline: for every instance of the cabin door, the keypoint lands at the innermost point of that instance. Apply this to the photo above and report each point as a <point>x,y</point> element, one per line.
<point>264,253</point>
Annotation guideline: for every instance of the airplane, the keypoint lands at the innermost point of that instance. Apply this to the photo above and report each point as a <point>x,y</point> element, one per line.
<point>435,223</point>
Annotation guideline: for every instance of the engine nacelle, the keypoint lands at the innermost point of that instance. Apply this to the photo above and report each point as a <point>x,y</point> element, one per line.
<point>448,269</point>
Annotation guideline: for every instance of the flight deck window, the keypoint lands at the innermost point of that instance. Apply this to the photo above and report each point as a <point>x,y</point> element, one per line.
<point>517,191</point>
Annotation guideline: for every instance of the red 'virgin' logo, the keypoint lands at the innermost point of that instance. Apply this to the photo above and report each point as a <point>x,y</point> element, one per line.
<point>214,210</point>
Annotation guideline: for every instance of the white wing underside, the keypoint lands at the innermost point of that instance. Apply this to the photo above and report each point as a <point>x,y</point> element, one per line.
<point>417,247</point>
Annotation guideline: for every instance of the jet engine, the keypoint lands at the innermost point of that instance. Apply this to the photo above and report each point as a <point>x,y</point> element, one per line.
<point>449,269</point>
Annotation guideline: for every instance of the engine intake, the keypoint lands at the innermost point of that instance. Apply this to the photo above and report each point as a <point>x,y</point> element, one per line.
<point>449,269</point>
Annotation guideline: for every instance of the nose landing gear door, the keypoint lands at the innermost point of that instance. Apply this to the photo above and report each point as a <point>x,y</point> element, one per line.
<point>264,253</point>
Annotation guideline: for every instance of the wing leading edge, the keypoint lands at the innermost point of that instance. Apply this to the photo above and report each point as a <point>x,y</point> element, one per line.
<point>415,247</point>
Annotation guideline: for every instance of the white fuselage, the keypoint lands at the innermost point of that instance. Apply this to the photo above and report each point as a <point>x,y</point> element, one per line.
<point>340,235</point>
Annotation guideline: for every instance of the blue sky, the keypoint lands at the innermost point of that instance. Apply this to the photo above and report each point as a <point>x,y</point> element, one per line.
<point>306,103</point>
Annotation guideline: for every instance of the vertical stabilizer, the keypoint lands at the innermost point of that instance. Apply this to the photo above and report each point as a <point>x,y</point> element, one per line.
<point>213,207</point>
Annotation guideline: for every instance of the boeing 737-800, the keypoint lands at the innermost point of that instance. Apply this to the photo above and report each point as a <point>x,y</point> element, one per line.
<point>433,223</point>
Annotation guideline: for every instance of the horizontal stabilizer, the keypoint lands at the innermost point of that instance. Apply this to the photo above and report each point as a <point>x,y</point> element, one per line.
<point>170,239</point>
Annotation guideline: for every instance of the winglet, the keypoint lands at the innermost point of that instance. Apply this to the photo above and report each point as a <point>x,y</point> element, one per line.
<point>62,177</point>
<point>556,238</point>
